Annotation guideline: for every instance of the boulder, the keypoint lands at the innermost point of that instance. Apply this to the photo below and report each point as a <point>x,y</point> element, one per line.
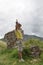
<point>35,51</point>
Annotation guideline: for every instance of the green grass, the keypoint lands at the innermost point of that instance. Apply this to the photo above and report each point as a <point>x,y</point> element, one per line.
<point>10,56</point>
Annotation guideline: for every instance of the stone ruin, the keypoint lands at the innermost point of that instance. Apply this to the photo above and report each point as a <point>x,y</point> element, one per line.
<point>10,39</point>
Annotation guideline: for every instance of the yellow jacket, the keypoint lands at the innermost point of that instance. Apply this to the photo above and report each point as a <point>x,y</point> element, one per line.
<point>18,34</point>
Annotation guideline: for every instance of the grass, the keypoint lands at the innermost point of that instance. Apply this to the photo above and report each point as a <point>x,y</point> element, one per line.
<point>10,56</point>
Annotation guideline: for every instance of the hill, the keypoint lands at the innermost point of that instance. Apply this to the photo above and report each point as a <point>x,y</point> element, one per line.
<point>26,37</point>
<point>10,56</point>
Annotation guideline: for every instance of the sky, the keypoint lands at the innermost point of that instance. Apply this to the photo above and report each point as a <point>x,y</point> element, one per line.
<point>28,12</point>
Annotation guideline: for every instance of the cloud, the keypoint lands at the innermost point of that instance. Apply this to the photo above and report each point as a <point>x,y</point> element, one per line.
<point>28,12</point>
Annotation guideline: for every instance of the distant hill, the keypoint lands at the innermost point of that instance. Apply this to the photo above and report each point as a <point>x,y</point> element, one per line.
<point>26,37</point>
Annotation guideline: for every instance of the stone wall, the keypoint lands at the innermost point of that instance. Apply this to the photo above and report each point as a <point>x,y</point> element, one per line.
<point>10,39</point>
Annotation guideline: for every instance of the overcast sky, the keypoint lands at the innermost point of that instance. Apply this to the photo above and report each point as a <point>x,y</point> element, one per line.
<point>28,12</point>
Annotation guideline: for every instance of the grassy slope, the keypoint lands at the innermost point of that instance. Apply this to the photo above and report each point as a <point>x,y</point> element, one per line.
<point>10,56</point>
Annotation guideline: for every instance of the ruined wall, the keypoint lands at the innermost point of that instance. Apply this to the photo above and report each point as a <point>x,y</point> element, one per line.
<point>10,39</point>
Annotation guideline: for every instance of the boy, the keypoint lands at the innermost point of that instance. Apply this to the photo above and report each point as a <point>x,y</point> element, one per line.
<point>19,38</point>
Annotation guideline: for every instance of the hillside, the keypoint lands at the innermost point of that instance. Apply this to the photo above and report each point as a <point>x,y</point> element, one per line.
<point>10,56</point>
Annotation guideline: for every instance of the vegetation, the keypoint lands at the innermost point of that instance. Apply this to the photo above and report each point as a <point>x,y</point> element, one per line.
<point>10,56</point>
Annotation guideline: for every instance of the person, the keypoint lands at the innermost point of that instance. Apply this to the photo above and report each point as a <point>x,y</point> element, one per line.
<point>19,38</point>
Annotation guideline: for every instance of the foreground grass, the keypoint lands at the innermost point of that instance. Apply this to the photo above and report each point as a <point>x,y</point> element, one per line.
<point>10,56</point>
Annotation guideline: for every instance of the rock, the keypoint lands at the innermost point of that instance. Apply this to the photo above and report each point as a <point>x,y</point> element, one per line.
<point>35,51</point>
